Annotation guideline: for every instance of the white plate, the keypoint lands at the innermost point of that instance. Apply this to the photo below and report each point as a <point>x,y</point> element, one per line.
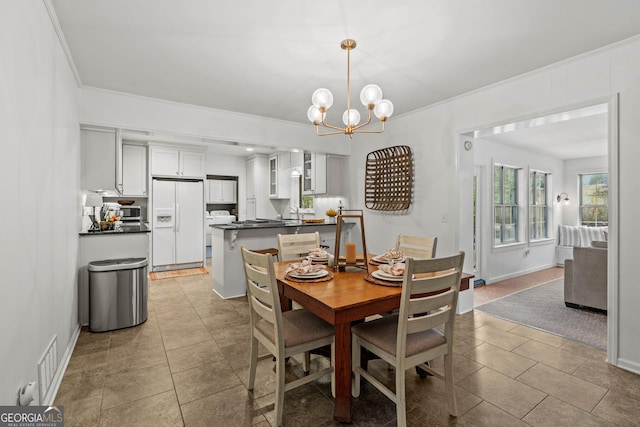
<point>314,275</point>
<point>379,274</point>
<point>317,259</point>
<point>386,261</point>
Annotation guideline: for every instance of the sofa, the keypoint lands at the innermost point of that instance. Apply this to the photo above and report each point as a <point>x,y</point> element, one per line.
<point>576,236</point>
<point>585,277</point>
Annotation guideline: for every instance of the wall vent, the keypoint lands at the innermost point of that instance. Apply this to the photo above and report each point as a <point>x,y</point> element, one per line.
<point>47,367</point>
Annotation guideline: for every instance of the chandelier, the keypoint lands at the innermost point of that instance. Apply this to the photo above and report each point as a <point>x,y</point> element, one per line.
<point>370,96</point>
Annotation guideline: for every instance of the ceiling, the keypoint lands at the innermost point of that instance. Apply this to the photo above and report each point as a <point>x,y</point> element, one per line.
<point>266,57</point>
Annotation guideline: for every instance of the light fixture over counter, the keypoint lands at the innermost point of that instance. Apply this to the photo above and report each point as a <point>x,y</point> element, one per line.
<point>370,96</point>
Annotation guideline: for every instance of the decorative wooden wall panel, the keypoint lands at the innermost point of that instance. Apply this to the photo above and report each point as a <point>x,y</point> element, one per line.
<point>388,181</point>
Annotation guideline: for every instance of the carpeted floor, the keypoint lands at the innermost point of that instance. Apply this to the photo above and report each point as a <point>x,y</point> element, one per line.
<point>542,307</point>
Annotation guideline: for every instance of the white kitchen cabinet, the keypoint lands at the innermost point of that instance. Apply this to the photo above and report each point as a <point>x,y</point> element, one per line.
<point>335,176</point>
<point>192,164</point>
<point>273,176</point>
<point>98,159</point>
<point>221,191</point>
<point>258,204</point>
<point>174,162</point>
<point>134,170</point>
<point>279,176</point>
<point>314,173</point>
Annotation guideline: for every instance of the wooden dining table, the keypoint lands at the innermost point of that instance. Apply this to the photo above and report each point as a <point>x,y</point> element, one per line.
<point>344,299</point>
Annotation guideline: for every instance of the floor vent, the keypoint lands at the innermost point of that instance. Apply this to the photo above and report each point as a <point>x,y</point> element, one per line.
<point>47,368</point>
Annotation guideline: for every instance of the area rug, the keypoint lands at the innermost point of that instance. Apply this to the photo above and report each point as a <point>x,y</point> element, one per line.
<point>177,273</point>
<point>542,307</point>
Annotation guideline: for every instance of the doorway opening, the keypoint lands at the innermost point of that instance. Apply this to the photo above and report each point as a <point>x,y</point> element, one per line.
<point>478,238</point>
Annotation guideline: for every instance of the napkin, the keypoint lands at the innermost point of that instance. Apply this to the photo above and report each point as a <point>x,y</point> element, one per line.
<point>393,269</point>
<point>319,253</point>
<point>391,254</point>
<point>304,267</point>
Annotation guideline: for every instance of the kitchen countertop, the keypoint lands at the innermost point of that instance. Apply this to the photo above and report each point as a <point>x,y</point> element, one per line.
<point>268,224</point>
<point>125,229</point>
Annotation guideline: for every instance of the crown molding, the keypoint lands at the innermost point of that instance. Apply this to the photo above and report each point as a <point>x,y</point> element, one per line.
<point>63,42</point>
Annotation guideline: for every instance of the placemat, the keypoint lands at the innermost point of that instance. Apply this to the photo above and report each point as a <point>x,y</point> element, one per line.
<point>369,278</point>
<point>374,262</point>
<point>319,279</point>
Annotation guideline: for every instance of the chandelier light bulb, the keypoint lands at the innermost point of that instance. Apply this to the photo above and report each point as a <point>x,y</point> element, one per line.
<point>383,110</point>
<point>314,115</point>
<point>370,95</point>
<point>351,117</point>
<point>322,98</point>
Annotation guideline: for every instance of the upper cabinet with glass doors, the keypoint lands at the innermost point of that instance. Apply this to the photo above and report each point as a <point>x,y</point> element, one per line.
<point>279,176</point>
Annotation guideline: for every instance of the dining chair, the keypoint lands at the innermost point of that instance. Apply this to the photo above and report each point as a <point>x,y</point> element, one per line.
<point>420,248</point>
<point>417,247</point>
<point>283,334</point>
<point>428,301</point>
<point>294,246</point>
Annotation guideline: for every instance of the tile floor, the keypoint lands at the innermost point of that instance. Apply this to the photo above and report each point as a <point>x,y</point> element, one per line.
<point>187,365</point>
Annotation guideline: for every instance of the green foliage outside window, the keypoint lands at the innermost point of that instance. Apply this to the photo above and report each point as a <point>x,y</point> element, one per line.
<point>538,210</point>
<point>505,201</point>
<point>594,194</point>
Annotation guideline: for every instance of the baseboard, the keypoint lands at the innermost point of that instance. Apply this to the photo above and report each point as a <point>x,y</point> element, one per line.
<point>519,273</point>
<point>50,397</point>
<point>629,365</point>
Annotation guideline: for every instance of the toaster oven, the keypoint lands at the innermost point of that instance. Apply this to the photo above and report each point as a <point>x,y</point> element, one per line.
<point>130,213</point>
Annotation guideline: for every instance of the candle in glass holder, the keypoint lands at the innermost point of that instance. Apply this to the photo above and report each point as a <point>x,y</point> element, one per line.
<point>351,253</point>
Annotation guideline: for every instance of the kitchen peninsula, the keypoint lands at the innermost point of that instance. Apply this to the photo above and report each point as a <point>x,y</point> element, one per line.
<point>226,240</point>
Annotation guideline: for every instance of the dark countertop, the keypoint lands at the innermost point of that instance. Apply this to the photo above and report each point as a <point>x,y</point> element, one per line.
<point>272,224</point>
<point>125,229</point>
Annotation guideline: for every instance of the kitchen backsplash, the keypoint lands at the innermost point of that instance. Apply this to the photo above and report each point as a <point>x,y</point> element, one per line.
<point>320,206</point>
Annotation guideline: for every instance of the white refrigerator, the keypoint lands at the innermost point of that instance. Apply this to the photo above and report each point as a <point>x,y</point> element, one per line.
<point>178,224</point>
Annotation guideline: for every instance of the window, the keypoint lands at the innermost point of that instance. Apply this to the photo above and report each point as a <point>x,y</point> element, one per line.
<point>594,191</point>
<point>505,202</point>
<point>538,210</point>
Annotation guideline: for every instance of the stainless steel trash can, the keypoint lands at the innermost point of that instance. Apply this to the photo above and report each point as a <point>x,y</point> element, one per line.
<point>118,293</point>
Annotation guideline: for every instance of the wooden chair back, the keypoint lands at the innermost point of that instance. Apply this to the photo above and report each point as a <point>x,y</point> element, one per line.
<point>417,247</point>
<point>262,292</point>
<point>294,246</point>
<point>429,300</point>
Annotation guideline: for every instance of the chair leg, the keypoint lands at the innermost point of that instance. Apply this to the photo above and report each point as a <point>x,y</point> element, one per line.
<point>401,403</point>
<point>306,364</point>
<point>355,365</point>
<point>279,398</point>
<point>253,362</point>
<point>448,379</point>
<point>421,372</point>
